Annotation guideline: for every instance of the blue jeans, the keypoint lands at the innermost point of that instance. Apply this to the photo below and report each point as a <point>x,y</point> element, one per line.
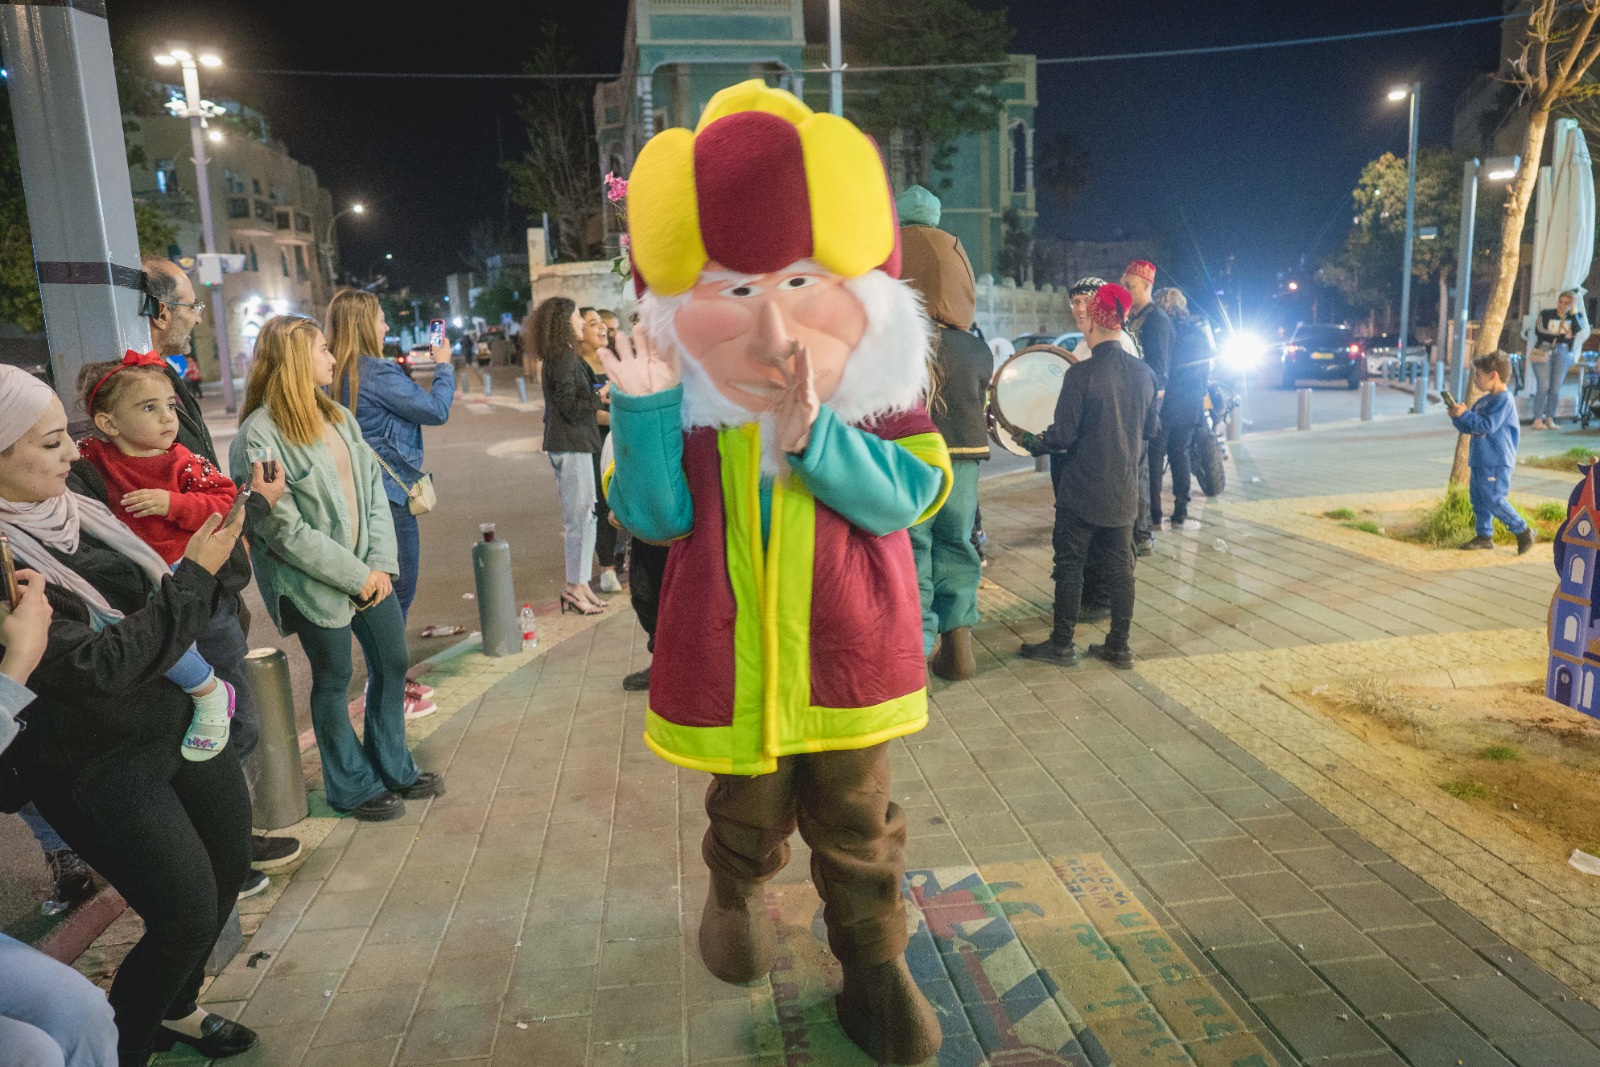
<point>1488,489</point>
<point>575,483</point>
<point>356,771</point>
<point>50,1014</point>
<point>42,831</point>
<point>1550,376</point>
<point>409,545</point>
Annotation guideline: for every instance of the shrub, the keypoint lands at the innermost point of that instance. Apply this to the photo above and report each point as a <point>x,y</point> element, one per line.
<point>1500,753</point>
<point>1341,514</point>
<point>1465,789</point>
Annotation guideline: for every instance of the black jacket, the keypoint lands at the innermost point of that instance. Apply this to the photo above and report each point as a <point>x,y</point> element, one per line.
<point>965,366</point>
<point>1152,331</point>
<point>1106,409</point>
<point>1189,372</point>
<point>101,695</point>
<point>1548,327</point>
<point>570,403</point>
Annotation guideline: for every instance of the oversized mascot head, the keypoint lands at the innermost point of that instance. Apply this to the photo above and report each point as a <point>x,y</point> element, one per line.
<point>766,225</point>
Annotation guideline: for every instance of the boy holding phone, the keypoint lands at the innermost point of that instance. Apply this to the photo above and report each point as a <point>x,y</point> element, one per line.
<point>1492,423</point>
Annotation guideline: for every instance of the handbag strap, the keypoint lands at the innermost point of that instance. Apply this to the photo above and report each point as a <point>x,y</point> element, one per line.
<point>401,482</point>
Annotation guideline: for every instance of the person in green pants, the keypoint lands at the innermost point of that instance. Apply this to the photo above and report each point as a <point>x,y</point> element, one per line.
<point>948,565</point>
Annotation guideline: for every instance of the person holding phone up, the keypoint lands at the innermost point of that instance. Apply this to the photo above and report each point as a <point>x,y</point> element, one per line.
<point>325,560</point>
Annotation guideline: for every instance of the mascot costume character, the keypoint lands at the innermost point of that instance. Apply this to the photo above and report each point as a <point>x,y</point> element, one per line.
<point>768,422</point>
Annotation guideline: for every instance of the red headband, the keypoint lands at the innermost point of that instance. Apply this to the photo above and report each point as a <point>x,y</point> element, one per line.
<point>1142,268</point>
<point>129,359</point>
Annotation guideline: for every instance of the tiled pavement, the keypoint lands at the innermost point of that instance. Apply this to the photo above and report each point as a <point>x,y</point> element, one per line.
<point>1098,870</point>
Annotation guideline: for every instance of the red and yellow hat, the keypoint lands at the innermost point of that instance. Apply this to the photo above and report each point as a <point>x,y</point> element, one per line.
<point>763,181</point>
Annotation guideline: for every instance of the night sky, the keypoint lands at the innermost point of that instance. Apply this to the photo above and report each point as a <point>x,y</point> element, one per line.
<point>1252,154</point>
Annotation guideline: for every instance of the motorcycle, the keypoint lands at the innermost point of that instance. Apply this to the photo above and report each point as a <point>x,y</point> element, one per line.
<point>1209,449</point>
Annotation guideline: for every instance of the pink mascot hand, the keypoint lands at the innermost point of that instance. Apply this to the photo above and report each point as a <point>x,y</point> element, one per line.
<point>640,368</point>
<point>797,407</point>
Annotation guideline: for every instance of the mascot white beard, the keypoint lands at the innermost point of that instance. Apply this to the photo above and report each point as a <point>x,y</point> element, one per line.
<point>886,372</point>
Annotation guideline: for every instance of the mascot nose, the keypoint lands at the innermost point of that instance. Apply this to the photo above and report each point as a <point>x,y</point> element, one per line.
<point>772,332</point>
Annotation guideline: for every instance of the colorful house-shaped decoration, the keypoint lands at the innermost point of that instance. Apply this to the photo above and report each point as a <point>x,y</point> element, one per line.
<point>1573,675</point>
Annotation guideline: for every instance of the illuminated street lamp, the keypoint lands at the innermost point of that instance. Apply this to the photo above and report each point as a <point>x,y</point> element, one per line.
<point>1499,169</point>
<point>326,246</point>
<point>198,111</point>
<point>1414,91</point>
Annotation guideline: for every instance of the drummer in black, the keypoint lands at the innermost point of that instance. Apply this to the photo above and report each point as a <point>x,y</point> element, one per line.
<point>1104,416</point>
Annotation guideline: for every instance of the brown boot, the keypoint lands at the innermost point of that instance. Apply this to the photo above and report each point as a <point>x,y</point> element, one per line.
<point>885,1014</point>
<point>737,939</point>
<point>953,659</point>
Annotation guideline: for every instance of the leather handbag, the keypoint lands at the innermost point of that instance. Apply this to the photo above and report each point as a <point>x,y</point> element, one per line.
<point>420,498</point>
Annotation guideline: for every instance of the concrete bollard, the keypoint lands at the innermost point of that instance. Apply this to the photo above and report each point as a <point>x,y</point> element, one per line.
<point>488,386</point>
<point>497,599</point>
<point>522,390</point>
<point>280,785</point>
<point>1041,464</point>
<point>1305,409</point>
<point>1236,423</point>
<point>1369,397</point>
<point>229,941</point>
<point>1419,400</point>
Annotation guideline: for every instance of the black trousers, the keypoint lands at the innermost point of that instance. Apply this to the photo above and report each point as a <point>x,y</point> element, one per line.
<point>605,534</point>
<point>173,837</point>
<point>1157,451</point>
<point>647,564</point>
<point>1113,546</point>
<point>1179,439</point>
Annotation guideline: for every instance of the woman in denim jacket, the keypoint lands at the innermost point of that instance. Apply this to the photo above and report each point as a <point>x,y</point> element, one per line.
<point>324,558</point>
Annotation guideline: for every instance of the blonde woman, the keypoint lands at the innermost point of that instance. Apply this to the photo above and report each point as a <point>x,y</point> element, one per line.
<point>325,560</point>
<point>392,410</point>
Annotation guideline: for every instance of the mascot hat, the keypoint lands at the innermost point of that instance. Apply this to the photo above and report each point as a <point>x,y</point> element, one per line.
<point>761,183</point>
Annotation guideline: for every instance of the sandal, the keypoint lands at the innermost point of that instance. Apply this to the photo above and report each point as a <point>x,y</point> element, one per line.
<point>205,738</point>
<point>570,602</point>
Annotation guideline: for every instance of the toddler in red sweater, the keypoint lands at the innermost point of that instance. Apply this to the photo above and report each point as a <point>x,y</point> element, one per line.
<point>163,492</point>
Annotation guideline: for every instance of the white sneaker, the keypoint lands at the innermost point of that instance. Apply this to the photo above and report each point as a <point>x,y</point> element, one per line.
<point>609,583</point>
<point>417,708</point>
<point>416,690</point>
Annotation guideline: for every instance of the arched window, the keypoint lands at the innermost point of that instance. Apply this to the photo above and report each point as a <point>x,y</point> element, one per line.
<point>1569,629</point>
<point>1588,689</point>
<point>1576,574</point>
<point>1583,527</point>
<point>1019,157</point>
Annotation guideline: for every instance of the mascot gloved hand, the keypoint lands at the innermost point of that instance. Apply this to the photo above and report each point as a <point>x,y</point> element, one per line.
<point>768,423</point>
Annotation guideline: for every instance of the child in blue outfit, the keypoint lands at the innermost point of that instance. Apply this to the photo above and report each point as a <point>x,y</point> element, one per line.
<point>1492,422</point>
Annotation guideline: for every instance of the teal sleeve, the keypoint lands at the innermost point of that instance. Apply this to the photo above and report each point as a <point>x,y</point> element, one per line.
<point>875,484</point>
<point>649,492</point>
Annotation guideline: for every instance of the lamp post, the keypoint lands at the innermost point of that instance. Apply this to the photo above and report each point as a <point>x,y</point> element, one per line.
<point>1414,91</point>
<point>1500,169</point>
<point>835,61</point>
<point>197,111</point>
<point>326,246</point>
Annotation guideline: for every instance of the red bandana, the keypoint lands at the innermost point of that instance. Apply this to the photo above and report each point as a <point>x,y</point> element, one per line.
<point>1142,268</point>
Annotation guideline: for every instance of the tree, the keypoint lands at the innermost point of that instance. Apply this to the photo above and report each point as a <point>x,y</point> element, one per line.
<point>1558,49</point>
<point>557,174</point>
<point>495,300</point>
<point>929,108</point>
<point>1016,247</point>
<point>487,240</point>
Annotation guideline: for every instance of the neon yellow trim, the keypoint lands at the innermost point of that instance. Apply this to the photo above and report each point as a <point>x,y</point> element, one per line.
<point>791,568</point>
<point>931,449</point>
<point>739,449</point>
<point>605,478</point>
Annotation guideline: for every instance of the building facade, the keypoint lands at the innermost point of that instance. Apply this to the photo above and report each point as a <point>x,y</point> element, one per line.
<point>678,53</point>
<point>266,207</point>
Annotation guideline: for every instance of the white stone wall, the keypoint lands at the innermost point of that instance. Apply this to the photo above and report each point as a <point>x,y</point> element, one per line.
<point>590,284</point>
<point>1007,310</point>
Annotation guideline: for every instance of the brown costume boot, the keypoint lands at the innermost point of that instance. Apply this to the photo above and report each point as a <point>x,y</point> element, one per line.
<point>737,940</point>
<point>953,659</point>
<point>886,1015</point>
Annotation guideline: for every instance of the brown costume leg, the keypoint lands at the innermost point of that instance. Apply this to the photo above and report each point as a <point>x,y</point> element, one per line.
<point>745,845</point>
<point>858,860</point>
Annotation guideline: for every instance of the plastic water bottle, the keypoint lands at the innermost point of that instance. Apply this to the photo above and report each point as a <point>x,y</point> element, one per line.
<point>530,631</point>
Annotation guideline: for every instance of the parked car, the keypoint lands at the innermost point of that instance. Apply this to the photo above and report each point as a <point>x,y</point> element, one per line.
<point>1384,356</point>
<point>1068,340</point>
<point>1323,352</point>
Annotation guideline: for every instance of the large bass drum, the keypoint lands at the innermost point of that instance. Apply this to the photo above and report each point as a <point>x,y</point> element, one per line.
<point>1025,390</point>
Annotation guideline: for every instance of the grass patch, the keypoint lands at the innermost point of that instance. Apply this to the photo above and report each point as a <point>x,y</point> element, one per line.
<point>1549,511</point>
<point>1378,698</point>
<point>1367,526</point>
<point>1561,461</point>
<point>1340,514</point>
<point>1450,522</point>
<point>1465,789</point>
<point>1500,753</point>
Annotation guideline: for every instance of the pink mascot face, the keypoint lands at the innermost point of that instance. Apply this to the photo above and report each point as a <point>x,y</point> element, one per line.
<point>736,325</point>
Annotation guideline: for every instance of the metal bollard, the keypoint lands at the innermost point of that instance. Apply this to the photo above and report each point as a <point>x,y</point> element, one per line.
<point>1041,464</point>
<point>522,390</point>
<point>1305,409</point>
<point>488,386</point>
<point>280,793</point>
<point>1419,400</point>
<point>229,941</point>
<point>497,599</point>
<point>1369,396</point>
<point>1439,381</point>
<point>1235,423</point>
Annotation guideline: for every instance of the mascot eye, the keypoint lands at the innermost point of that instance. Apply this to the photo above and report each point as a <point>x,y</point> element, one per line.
<point>798,281</point>
<point>742,291</point>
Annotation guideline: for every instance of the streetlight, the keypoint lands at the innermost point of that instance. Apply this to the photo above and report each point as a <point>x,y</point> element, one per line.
<point>326,247</point>
<point>1414,91</point>
<point>1500,169</point>
<point>197,111</point>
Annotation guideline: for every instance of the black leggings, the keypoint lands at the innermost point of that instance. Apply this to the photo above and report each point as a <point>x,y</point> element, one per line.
<point>647,564</point>
<point>173,837</point>
<point>605,534</point>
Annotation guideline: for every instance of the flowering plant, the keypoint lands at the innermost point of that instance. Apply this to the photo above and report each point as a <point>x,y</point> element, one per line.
<point>617,196</point>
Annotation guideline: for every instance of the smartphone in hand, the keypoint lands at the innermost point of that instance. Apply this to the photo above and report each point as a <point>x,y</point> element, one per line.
<point>238,506</point>
<point>8,573</point>
<point>436,333</point>
<point>1449,401</point>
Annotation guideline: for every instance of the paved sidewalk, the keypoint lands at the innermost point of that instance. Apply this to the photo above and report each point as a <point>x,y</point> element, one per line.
<point>1106,867</point>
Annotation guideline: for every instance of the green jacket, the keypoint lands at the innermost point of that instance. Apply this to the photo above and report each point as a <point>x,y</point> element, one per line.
<point>305,549</point>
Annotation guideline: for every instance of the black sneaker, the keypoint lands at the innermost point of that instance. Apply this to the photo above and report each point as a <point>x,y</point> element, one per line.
<point>637,682</point>
<point>71,881</point>
<point>270,853</point>
<point>1120,658</point>
<point>1478,544</point>
<point>1525,541</point>
<point>381,808</point>
<point>1048,651</point>
<point>256,883</point>
<point>428,784</point>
